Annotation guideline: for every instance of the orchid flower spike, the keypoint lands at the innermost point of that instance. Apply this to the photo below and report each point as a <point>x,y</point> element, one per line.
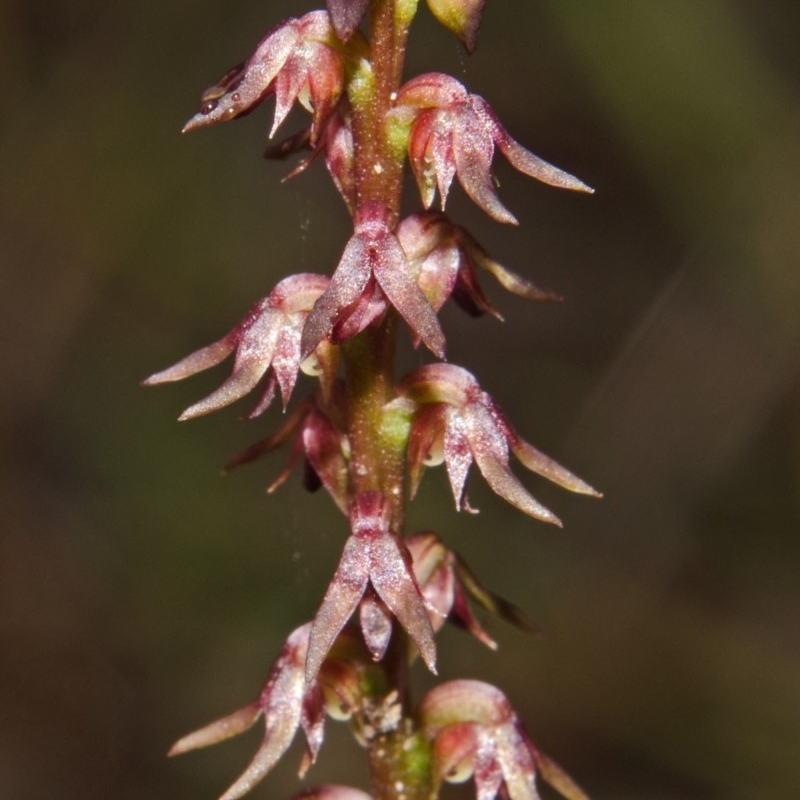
<point>454,133</point>
<point>454,421</point>
<point>267,345</point>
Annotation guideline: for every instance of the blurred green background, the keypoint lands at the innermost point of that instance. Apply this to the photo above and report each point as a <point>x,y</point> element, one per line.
<point>142,595</point>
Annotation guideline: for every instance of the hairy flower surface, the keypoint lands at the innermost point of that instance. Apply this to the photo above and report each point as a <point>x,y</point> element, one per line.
<point>455,421</point>
<point>477,734</point>
<point>374,557</point>
<point>444,257</point>
<point>372,271</point>
<point>287,702</point>
<point>267,345</point>
<point>301,59</point>
<point>454,133</point>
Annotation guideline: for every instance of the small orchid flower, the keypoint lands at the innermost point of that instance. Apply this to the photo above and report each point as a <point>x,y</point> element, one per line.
<point>447,584</point>
<point>287,702</point>
<point>373,557</point>
<point>455,421</point>
<point>444,256</point>
<point>372,271</point>
<point>267,345</point>
<point>454,133</point>
<point>462,17</point>
<point>315,428</point>
<point>476,733</point>
<point>301,59</point>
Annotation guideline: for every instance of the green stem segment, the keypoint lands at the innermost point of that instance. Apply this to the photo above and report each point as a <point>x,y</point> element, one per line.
<point>399,758</point>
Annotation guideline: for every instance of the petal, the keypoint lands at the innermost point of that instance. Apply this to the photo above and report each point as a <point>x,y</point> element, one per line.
<point>359,315</point>
<point>463,614</point>
<point>454,752</point>
<point>499,606</point>
<point>434,573</point>
<point>491,455</point>
<point>198,361</point>
<point>394,276</point>
<point>282,700</point>
<point>522,159</point>
<point>425,439</point>
<point>340,601</point>
<point>286,360</point>
<point>376,625</point>
<point>231,725</point>
<point>463,701</point>
<point>268,390</point>
<point>505,277</point>
<point>312,720</point>
<point>393,580</point>
<point>504,483</point>
<point>288,84</point>
<point>323,445</point>
<point>516,762</point>
<point>487,771</point>
<point>538,462</point>
<point>458,453</point>
<point>253,357</point>
<point>462,17</point>
<point>558,779</point>
<point>438,274</point>
<point>325,83</point>
<point>469,295</point>
<point>231,98</point>
<point>473,151</point>
<point>346,16</point>
<point>346,286</point>
<point>290,426</point>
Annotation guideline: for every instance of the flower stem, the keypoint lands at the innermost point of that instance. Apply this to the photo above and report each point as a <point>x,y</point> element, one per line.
<point>377,452</point>
<point>399,759</point>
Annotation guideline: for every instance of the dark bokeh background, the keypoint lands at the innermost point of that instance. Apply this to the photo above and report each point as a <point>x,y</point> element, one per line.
<point>142,595</point>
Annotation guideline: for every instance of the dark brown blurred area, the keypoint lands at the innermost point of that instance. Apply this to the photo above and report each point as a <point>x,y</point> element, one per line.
<point>142,595</point>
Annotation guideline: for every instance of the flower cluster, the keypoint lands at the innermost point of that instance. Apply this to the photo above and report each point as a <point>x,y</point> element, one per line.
<point>454,421</point>
<point>325,668</point>
<point>454,133</point>
<point>444,256</point>
<point>302,59</point>
<point>476,734</point>
<point>375,565</point>
<point>267,345</point>
<point>373,270</point>
<point>448,584</point>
